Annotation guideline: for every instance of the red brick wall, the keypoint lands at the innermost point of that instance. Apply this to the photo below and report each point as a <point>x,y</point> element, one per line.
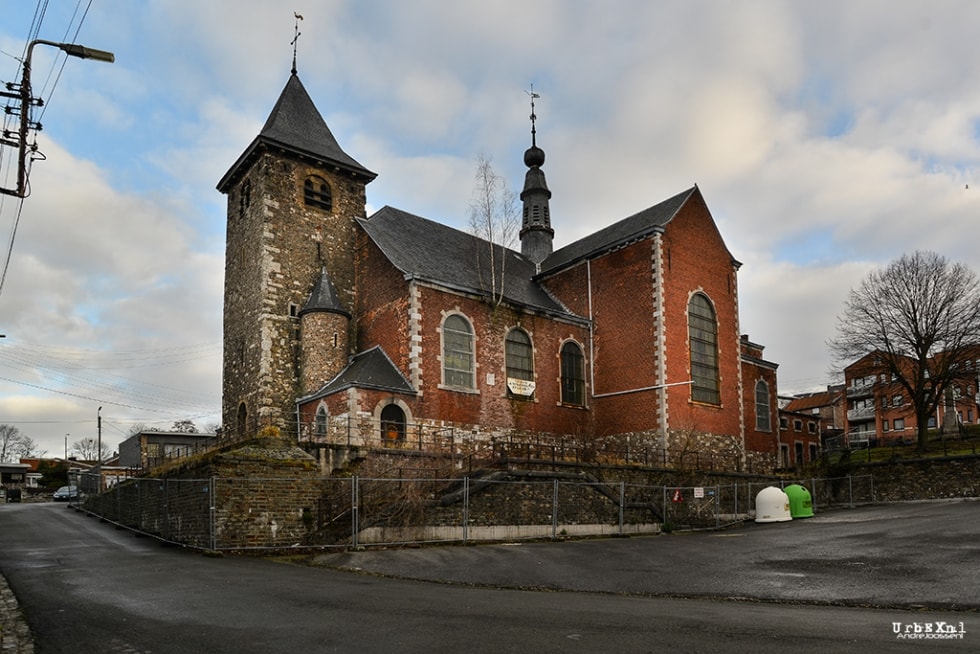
<point>695,259</point>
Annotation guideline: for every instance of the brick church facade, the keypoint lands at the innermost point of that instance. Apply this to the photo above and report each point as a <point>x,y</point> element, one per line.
<point>353,330</point>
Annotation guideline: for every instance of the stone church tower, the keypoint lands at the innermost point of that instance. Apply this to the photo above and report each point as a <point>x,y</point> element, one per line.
<point>293,197</point>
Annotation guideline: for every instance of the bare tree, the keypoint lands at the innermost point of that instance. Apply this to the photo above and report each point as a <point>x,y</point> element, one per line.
<point>919,318</point>
<point>137,428</point>
<point>11,443</point>
<point>184,427</point>
<point>495,218</point>
<point>28,448</point>
<point>87,449</point>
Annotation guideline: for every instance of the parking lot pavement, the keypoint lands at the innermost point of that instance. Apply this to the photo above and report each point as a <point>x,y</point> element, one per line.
<point>15,637</point>
<point>903,555</point>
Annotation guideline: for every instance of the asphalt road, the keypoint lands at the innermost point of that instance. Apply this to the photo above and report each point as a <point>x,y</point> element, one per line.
<point>85,586</point>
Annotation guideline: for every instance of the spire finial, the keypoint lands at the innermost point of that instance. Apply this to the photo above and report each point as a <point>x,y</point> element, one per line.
<point>296,34</point>
<point>533,117</point>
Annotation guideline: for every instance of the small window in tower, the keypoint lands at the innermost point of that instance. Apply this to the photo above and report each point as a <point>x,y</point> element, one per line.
<point>336,339</point>
<point>316,193</point>
<point>245,200</point>
<point>293,310</point>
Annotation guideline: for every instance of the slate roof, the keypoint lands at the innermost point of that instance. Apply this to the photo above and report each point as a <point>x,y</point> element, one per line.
<point>429,251</point>
<point>369,369</point>
<point>324,297</point>
<point>637,226</point>
<point>296,126</point>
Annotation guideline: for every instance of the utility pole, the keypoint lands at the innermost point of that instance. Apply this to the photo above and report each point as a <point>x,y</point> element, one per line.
<point>23,94</point>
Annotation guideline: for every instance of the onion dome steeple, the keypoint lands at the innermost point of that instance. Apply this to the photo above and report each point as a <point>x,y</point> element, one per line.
<point>536,232</point>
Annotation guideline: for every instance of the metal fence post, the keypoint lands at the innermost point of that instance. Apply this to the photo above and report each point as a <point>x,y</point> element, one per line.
<point>622,504</point>
<point>850,491</point>
<point>554,511</point>
<point>466,508</point>
<point>212,509</point>
<point>354,490</point>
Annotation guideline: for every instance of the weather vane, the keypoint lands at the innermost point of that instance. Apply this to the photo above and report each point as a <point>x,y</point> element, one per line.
<point>296,34</point>
<point>533,117</point>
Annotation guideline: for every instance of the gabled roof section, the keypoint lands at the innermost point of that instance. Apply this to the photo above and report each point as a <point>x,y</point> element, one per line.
<point>324,298</point>
<point>431,252</point>
<point>637,226</point>
<point>295,126</point>
<point>369,369</point>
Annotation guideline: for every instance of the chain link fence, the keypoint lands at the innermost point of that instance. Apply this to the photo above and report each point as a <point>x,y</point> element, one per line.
<point>245,514</point>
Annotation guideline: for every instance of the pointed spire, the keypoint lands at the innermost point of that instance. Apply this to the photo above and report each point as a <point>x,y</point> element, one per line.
<point>324,298</point>
<point>296,127</point>
<point>536,232</point>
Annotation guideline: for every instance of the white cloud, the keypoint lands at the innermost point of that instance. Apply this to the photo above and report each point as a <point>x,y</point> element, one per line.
<point>826,138</point>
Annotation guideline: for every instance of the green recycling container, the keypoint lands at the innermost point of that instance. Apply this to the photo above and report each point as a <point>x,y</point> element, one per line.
<point>800,502</point>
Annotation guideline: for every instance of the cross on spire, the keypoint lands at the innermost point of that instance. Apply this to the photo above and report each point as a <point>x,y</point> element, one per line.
<point>296,34</point>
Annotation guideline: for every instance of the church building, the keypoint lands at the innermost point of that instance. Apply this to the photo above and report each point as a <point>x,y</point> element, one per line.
<point>395,330</point>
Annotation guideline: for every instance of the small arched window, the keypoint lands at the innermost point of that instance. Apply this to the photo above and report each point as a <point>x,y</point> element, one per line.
<point>316,193</point>
<point>457,352</point>
<point>519,356</point>
<point>572,374</point>
<point>703,335</point>
<point>763,421</point>
<point>392,423</point>
<point>242,419</point>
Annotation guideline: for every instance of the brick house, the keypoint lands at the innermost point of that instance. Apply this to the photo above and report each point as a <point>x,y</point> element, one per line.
<point>349,330</point>
<point>829,406</point>
<point>880,412</point>
<point>799,438</point>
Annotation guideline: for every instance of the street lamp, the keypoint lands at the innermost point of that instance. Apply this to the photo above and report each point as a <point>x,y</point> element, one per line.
<point>72,50</point>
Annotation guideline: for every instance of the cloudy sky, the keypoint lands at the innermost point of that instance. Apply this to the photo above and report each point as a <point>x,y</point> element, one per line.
<point>828,138</point>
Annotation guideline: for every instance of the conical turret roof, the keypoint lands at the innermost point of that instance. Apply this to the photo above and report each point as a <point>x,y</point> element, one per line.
<point>324,297</point>
<point>295,126</point>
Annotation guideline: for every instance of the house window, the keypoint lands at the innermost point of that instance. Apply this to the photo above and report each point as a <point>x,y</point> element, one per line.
<point>457,352</point>
<point>897,400</point>
<point>703,334</point>
<point>799,453</point>
<point>572,374</point>
<point>814,451</point>
<point>520,364</point>
<point>884,425</point>
<point>783,423</point>
<point>899,424</point>
<point>321,422</point>
<point>811,427</point>
<point>316,193</point>
<point>762,417</point>
<point>797,425</point>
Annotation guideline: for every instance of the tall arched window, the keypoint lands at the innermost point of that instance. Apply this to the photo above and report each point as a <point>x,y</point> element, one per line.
<point>316,193</point>
<point>457,352</point>
<point>520,364</point>
<point>763,421</point>
<point>703,334</point>
<point>321,422</point>
<point>572,374</point>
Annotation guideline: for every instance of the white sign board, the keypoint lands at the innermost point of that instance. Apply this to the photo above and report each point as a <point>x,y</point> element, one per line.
<point>520,386</point>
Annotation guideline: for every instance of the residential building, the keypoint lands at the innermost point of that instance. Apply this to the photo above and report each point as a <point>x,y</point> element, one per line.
<point>880,410</point>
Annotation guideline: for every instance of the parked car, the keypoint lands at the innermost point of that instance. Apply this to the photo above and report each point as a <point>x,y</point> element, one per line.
<point>67,494</point>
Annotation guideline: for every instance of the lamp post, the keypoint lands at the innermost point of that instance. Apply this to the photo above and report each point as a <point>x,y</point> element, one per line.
<point>72,50</point>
